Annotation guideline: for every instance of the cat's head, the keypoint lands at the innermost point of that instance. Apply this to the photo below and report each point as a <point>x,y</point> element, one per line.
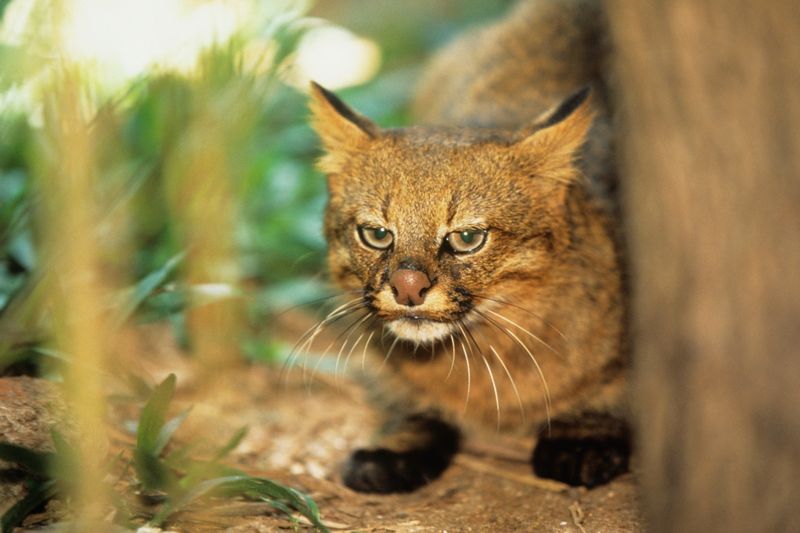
<point>432,223</point>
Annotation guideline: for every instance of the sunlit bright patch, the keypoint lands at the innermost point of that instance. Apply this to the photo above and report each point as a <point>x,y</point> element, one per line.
<point>132,37</point>
<point>15,21</point>
<point>334,57</point>
<point>117,41</point>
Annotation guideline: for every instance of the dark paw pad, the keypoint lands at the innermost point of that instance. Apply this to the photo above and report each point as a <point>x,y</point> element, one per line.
<point>588,462</point>
<point>385,471</point>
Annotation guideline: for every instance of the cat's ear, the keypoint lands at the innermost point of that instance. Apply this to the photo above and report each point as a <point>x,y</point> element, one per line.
<point>339,127</point>
<point>552,144</point>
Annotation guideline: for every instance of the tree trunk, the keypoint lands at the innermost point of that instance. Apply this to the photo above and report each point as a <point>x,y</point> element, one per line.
<point>709,96</point>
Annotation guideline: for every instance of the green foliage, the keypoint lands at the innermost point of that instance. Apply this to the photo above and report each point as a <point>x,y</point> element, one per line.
<point>173,481</point>
<point>38,492</point>
<point>152,436</point>
<point>186,480</point>
<point>144,128</point>
<point>38,485</point>
<point>141,134</point>
<point>36,463</point>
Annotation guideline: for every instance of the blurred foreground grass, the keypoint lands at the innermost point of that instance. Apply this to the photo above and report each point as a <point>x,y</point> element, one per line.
<point>181,190</point>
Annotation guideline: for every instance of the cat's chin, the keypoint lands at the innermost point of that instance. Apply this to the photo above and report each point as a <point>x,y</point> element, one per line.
<point>419,331</point>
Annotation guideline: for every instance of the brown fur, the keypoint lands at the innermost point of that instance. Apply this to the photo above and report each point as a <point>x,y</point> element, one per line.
<point>534,176</point>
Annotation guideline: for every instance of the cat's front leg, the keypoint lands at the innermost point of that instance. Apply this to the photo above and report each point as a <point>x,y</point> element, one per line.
<point>410,451</point>
<point>583,453</point>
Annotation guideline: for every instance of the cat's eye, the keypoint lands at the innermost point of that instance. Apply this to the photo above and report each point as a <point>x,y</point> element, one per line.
<point>378,238</point>
<point>466,241</point>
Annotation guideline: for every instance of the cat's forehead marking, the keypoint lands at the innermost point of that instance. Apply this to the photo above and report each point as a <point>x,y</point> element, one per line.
<point>385,206</point>
<point>469,221</point>
<point>373,216</point>
<point>452,208</point>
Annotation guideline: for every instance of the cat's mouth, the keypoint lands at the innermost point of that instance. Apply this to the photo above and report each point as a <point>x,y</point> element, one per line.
<point>435,320</point>
<point>419,329</point>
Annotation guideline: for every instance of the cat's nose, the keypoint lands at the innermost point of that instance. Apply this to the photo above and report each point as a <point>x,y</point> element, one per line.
<point>409,286</point>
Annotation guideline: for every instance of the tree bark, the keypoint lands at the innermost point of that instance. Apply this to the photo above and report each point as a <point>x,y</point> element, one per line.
<point>709,99</point>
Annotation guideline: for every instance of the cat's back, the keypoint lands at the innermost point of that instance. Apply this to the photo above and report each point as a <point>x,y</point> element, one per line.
<point>508,73</point>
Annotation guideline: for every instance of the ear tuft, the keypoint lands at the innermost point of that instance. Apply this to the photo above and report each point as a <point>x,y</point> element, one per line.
<point>557,137</point>
<point>339,127</point>
<point>567,107</point>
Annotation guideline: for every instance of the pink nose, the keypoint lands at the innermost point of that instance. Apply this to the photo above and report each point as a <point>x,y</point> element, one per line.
<point>409,286</point>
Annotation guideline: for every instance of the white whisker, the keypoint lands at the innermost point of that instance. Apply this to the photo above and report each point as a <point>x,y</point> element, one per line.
<point>541,374</point>
<point>341,312</point>
<point>466,359</point>
<point>316,366</point>
<point>494,388</point>
<point>452,359</point>
<point>334,315</point>
<point>354,327</point>
<point>389,353</point>
<point>364,353</point>
<point>349,353</point>
<point>511,379</point>
<point>525,310</point>
<point>473,343</point>
<point>299,347</point>
<point>501,317</point>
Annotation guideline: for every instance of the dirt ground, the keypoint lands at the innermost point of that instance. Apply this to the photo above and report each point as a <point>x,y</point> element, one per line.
<point>300,432</point>
<point>303,435</point>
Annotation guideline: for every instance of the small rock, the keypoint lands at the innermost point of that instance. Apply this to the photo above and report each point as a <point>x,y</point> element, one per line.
<point>29,408</point>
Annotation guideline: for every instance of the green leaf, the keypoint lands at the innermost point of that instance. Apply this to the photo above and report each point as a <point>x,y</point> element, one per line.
<point>179,458</point>
<point>146,286</point>
<point>152,472</point>
<point>66,466</point>
<point>151,437</point>
<point>3,6</point>
<point>38,493</point>
<point>153,415</point>
<point>63,448</point>
<point>280,497</point>
<point>169,429</point>
<point>231,444</point>
<point>176,504</point>
<point>273,493</point>
<point>38,463</point>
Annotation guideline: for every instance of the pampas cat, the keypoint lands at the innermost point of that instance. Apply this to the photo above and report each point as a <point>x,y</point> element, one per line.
<point>486,247</point>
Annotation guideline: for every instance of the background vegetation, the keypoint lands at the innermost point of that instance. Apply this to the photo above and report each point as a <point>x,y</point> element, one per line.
<point>174,187</point>
<point>142,126</point>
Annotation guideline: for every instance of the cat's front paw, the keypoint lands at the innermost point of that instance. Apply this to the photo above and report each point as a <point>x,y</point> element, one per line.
<point>384,471</point>
<point>581,461</point>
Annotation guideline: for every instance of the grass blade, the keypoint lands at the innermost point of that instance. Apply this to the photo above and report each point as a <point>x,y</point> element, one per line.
<point>273,493</point>
<point>152,435</point>
<point>38,463</point>
<point>153,415</point>
<point>145,287</point>
<point>169,429</point>
<point>38,493</point>
<point>231,444</point>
